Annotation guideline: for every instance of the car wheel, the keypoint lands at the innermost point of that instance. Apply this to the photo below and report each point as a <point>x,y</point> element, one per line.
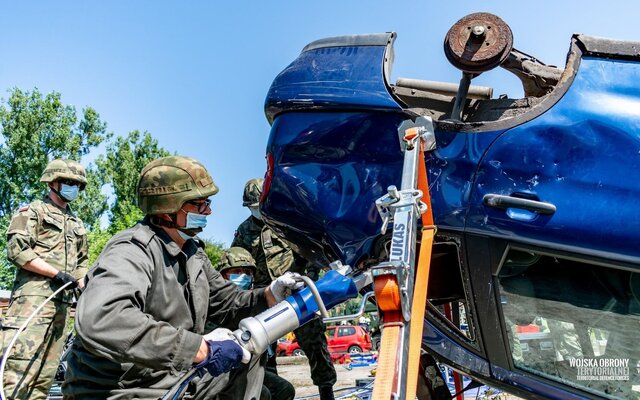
<point>355,350</point>
<point>298,352</point>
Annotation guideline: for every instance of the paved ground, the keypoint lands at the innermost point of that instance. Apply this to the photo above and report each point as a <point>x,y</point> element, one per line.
<point>296,371</point>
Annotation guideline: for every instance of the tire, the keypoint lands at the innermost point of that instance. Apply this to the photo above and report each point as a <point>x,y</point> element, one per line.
<point>354,349</point>
<point>298,353</point>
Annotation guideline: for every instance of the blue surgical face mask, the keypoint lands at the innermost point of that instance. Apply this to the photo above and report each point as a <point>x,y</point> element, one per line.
<point>69,192</point>
<point>243,281</point>
<point>255,211</point>
<point>185,236</point>
<point>195,221</point>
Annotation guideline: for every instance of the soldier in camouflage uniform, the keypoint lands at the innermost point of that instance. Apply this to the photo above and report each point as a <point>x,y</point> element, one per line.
<point>237,266</point>
<point>273,258</point>
<point>140,323</point>
<point>48,245</point>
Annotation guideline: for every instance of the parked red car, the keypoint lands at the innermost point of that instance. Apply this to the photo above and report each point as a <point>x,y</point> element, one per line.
<point>348,339</point>
<point>288,348</point>
<point>340,339</point>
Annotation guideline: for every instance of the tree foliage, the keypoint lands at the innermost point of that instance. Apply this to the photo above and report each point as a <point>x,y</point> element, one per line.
<point>120,168</point>
<point>213,250</point>
<point>6,268</point>
<point>92,202</point>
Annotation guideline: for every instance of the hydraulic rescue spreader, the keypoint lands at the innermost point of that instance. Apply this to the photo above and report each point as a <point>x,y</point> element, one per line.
<point>401,284</point>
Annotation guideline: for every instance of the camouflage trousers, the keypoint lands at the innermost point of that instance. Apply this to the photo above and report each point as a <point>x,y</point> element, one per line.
<point>313,342</point>
<point>34,358</point>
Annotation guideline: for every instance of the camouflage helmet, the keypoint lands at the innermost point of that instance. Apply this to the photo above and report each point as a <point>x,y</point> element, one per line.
<point>167,183</point>
<point>64,169</point>
<point>252,192</point>
<point>236,257</point>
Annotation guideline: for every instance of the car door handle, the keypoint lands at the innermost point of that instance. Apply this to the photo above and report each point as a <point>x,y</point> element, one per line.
<point>503,202</point>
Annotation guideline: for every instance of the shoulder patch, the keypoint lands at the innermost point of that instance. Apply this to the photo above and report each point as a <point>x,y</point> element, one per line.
<point>19,223</point>
<point>23,208</point>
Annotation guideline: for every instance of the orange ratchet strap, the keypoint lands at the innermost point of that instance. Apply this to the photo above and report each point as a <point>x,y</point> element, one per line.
<point>388,297</point>
<point>423,265</point>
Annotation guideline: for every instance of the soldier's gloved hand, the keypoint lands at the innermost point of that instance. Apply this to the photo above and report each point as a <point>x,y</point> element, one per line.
<point>63,278</point>
<point>282,287</point>
<point>223,356</point>
<point>221,334</point>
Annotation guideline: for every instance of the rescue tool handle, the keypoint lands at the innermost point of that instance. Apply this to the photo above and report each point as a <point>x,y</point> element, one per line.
<point>504,202</point>
<point>316,295</point>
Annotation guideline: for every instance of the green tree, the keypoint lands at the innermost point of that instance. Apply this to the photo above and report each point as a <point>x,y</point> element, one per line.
<point>92,202</point>
<point>6,268</point>
<point>97,238</point>
<point>121,167</point>
<point>214,250</point>
<point>35,129</point>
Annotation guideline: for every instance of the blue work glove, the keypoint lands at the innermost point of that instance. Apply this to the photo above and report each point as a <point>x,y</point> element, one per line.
<point>223,357</point>
<point>224,352</point>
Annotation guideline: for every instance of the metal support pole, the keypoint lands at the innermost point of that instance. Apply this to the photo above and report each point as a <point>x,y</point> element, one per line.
<point>461,96</point>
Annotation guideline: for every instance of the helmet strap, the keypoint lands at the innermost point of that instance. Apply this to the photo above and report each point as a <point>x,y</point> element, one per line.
<point>56,191</point>
<point>157,221</point>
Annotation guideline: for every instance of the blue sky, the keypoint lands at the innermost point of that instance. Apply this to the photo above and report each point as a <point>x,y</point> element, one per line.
<point>195,74</point>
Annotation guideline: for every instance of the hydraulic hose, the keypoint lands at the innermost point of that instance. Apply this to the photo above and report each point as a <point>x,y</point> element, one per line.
<point>15,337</point>
<point>177,390</point>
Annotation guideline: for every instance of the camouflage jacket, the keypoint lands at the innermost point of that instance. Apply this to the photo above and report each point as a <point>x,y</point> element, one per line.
<point>42,229</point>
<point>140,318</point>
<point>273,255</point>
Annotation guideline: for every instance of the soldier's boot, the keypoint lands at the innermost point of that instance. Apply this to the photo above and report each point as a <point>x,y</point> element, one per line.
<point>326,392</point>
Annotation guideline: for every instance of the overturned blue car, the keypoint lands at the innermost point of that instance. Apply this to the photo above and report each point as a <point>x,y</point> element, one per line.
<point>537,252</point>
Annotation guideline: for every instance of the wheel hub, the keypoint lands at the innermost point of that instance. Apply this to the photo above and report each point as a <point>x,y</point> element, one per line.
<point>478,42</point>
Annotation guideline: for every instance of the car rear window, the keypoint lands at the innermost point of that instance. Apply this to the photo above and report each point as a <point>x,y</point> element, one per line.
<point>346,331</point>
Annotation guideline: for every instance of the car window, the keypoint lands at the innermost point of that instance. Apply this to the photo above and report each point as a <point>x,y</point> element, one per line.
<point>447,292</point>
<point>330,332</point>
<point>571,321</point>
<point>346,331</point>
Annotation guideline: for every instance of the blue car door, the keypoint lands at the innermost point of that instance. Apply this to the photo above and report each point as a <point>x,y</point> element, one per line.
<point>553,225</point>
<point>569,178</point>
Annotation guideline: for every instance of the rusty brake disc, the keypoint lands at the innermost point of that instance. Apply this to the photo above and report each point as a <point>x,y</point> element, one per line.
<point>478,42</point>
